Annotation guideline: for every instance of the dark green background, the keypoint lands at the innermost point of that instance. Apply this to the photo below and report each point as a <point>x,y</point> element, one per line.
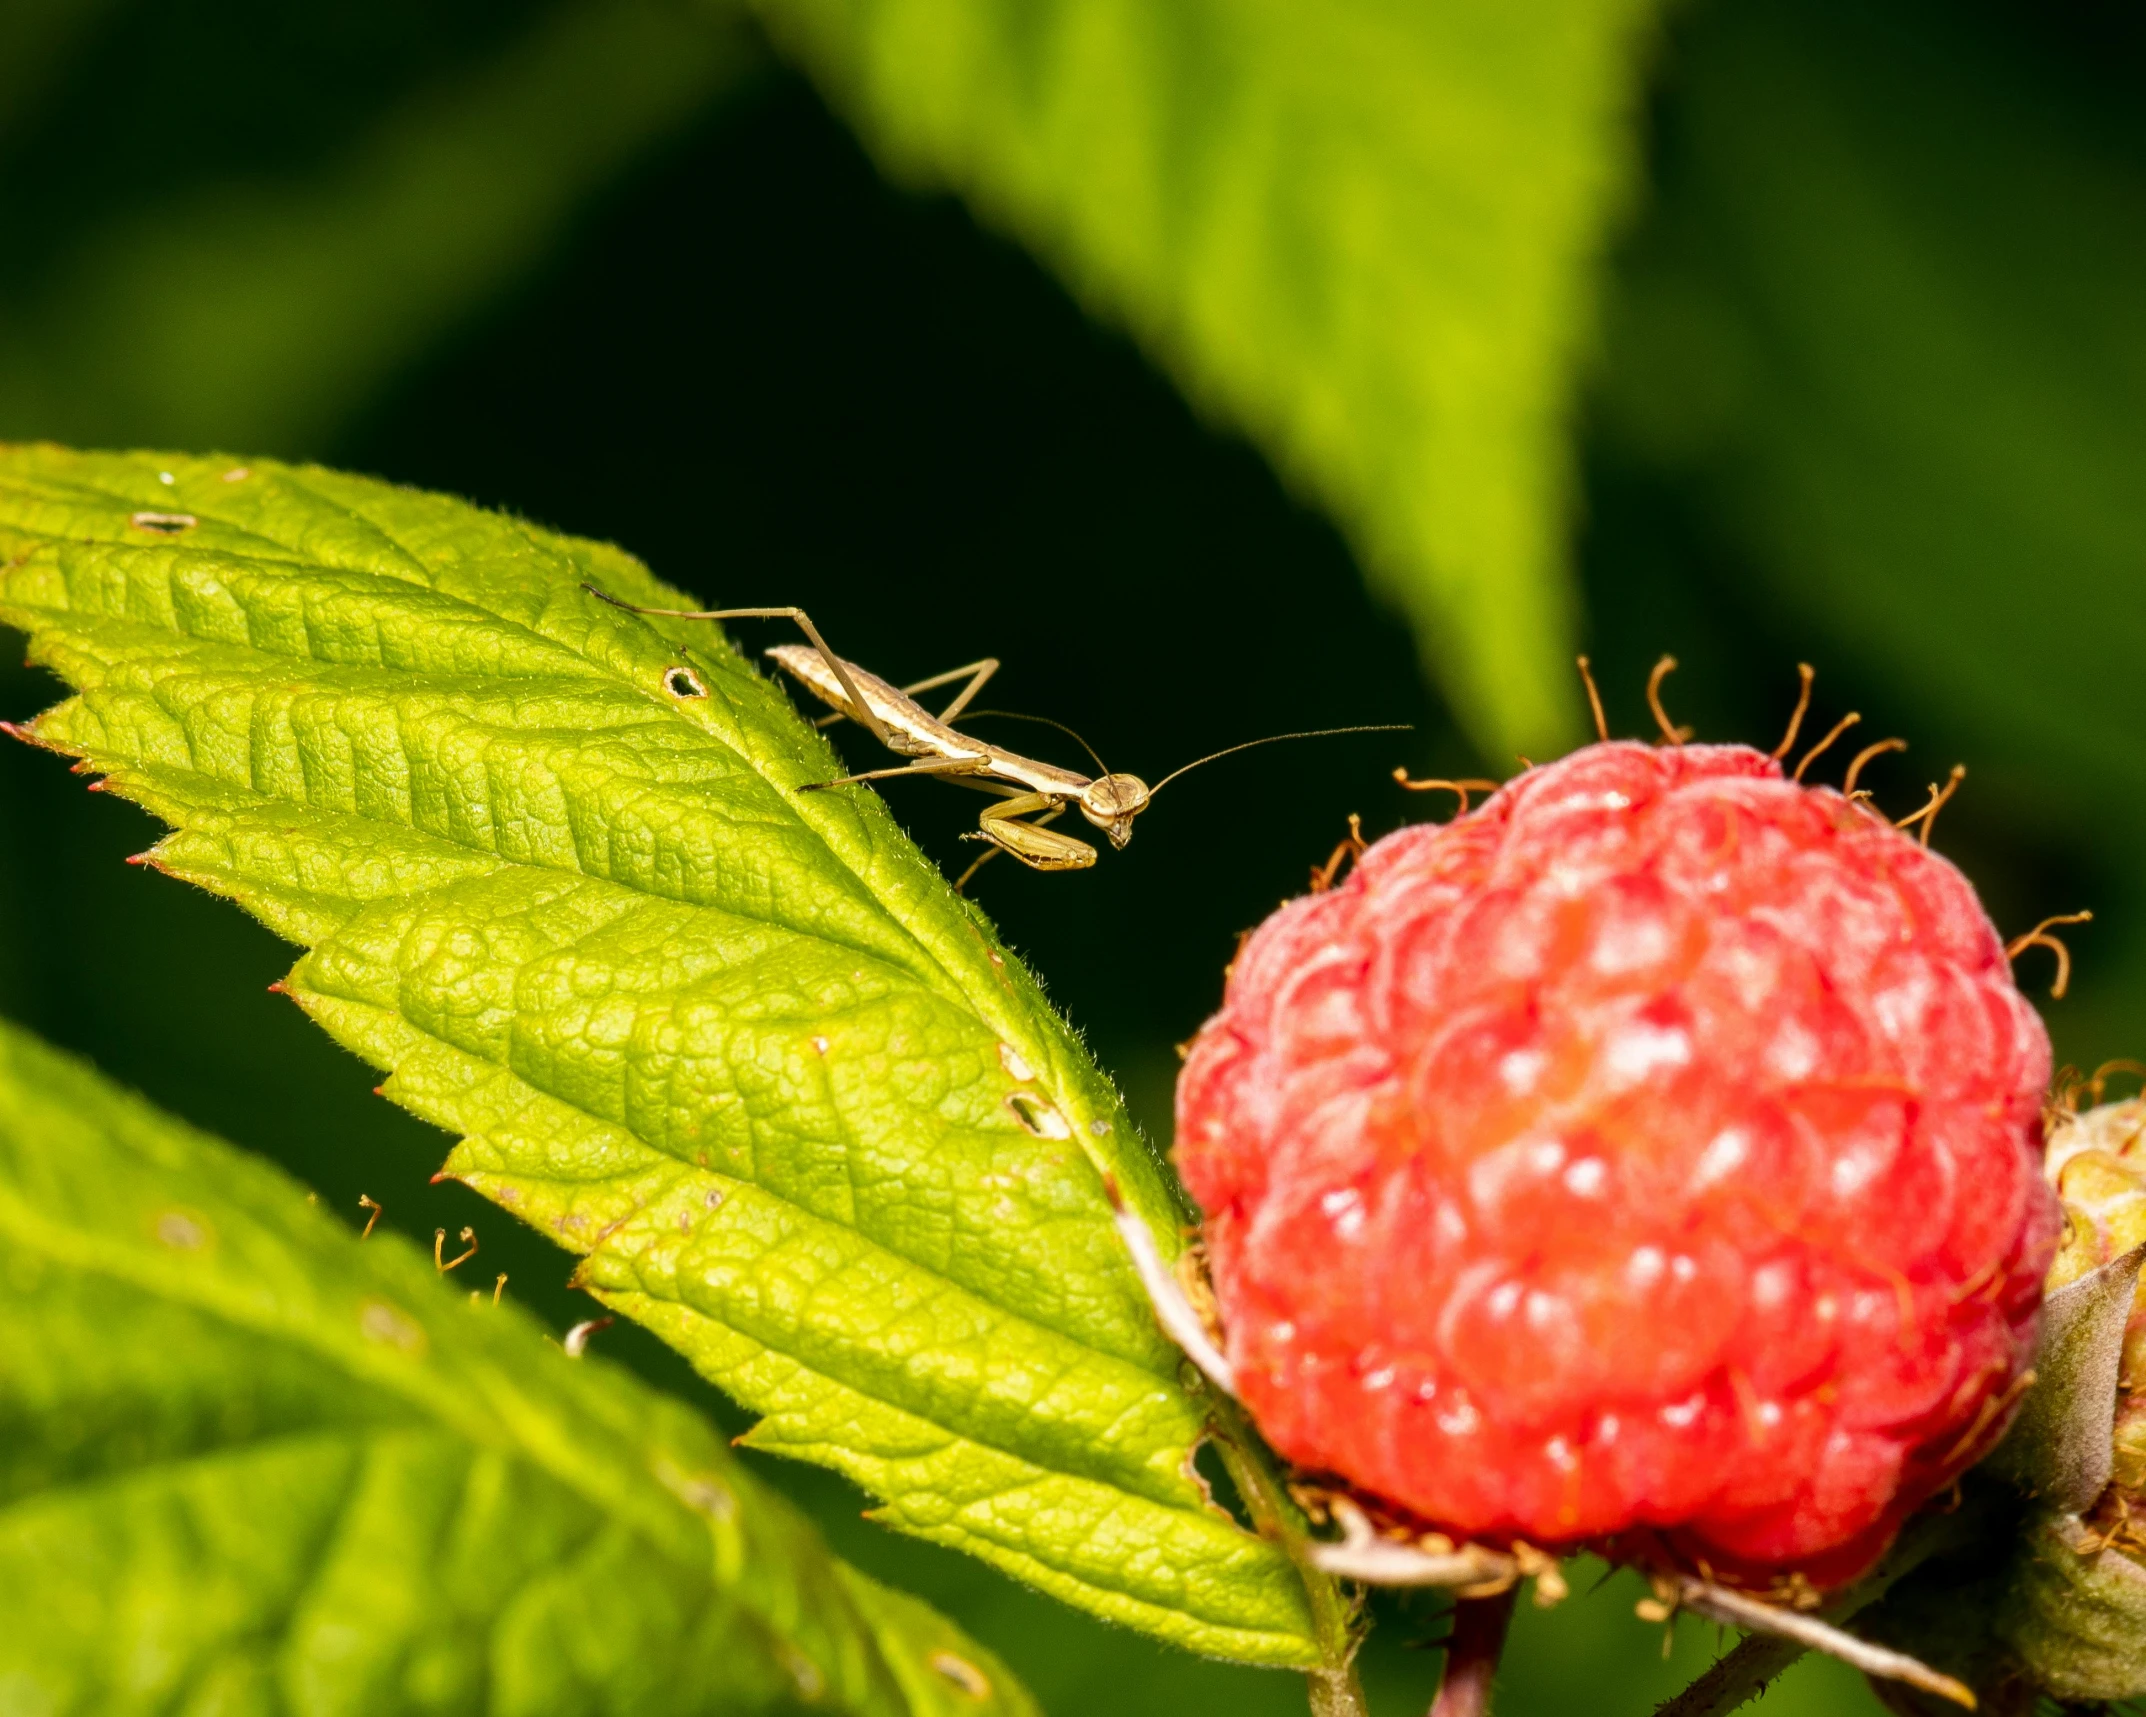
<point>1869,395</point>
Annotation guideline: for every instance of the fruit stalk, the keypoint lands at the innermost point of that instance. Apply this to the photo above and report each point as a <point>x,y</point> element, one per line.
<point>1335,1690</point>
<point>1472,1654</point>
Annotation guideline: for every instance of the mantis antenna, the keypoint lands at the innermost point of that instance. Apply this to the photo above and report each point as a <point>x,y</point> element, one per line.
<point>1031,794</point>
<point>1275,739</point>
<point>1017,715</point>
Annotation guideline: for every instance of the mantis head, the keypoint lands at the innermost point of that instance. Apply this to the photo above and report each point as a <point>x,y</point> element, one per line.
<point>1111,802</point>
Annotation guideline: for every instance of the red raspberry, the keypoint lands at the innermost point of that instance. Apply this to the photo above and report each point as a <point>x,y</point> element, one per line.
<point>1654,1149</point>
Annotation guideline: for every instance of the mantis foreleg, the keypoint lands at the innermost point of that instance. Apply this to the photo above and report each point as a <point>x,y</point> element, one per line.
<point>996,827</point>
<point>1034,845</point>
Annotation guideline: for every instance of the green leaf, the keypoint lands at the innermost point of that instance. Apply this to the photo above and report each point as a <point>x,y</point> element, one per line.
<point>1364,231</point>
<point>740,1046</point>
<point>266,313</point>
<point>249,1463</point>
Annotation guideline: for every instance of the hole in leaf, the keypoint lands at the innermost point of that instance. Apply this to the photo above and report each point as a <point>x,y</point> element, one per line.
<point>1039,1117</point>
<point>164,524</point>
<point>962,1673</point>
<point>683,683</point>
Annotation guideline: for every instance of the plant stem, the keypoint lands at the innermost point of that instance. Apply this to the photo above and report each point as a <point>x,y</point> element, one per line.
<point>1740,1676</point>
<point>1744,1673</point>
<point>1336,1693</point>
<point>1472,1654</point>
<point>1335,1690</point>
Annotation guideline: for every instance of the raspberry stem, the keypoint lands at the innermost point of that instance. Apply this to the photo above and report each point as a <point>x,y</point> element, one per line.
<point>1335,1690</point>
<point>1472,1653</point>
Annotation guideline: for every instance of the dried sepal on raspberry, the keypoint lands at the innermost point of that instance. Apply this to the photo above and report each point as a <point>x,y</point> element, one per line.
<point>2097,1164</point>
<point>2073,1610</point>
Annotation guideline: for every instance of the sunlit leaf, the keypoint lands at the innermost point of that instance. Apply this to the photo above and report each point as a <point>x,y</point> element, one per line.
<point>740,1046</point>
<point>1363,231</point>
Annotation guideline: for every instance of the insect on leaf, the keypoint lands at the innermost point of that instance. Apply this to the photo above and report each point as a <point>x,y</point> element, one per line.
<point>254,1464</point>
<point>739,1046</point>
<point>1364,232</point>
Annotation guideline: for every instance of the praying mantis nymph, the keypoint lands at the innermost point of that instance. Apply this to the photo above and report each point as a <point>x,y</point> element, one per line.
<point>1032,794</point>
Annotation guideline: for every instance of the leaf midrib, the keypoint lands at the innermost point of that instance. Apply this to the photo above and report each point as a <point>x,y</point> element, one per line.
<point>1131,1160</point>
<point>356,673</point>
<point>933,970</point>
<point>942,1285</point>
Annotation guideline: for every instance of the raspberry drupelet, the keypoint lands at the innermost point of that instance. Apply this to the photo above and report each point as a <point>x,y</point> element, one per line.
<point>1654,1151</point>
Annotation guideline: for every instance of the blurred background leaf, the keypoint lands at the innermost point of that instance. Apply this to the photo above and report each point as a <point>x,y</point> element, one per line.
<point>1866,394</point>
<point>1363,231</point>
<point>261,306</point>
<point>252,1464</point>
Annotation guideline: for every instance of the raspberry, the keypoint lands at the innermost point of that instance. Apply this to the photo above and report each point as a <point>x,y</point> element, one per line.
<point>1652,1153</point>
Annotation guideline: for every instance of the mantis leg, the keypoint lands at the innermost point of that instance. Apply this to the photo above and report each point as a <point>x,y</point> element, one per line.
<point>993,845</point>
<point>961,882</point>
<point>1039,848</point>
<point>835,664</point>
<point>926,766</point>
<point>976,673</point>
